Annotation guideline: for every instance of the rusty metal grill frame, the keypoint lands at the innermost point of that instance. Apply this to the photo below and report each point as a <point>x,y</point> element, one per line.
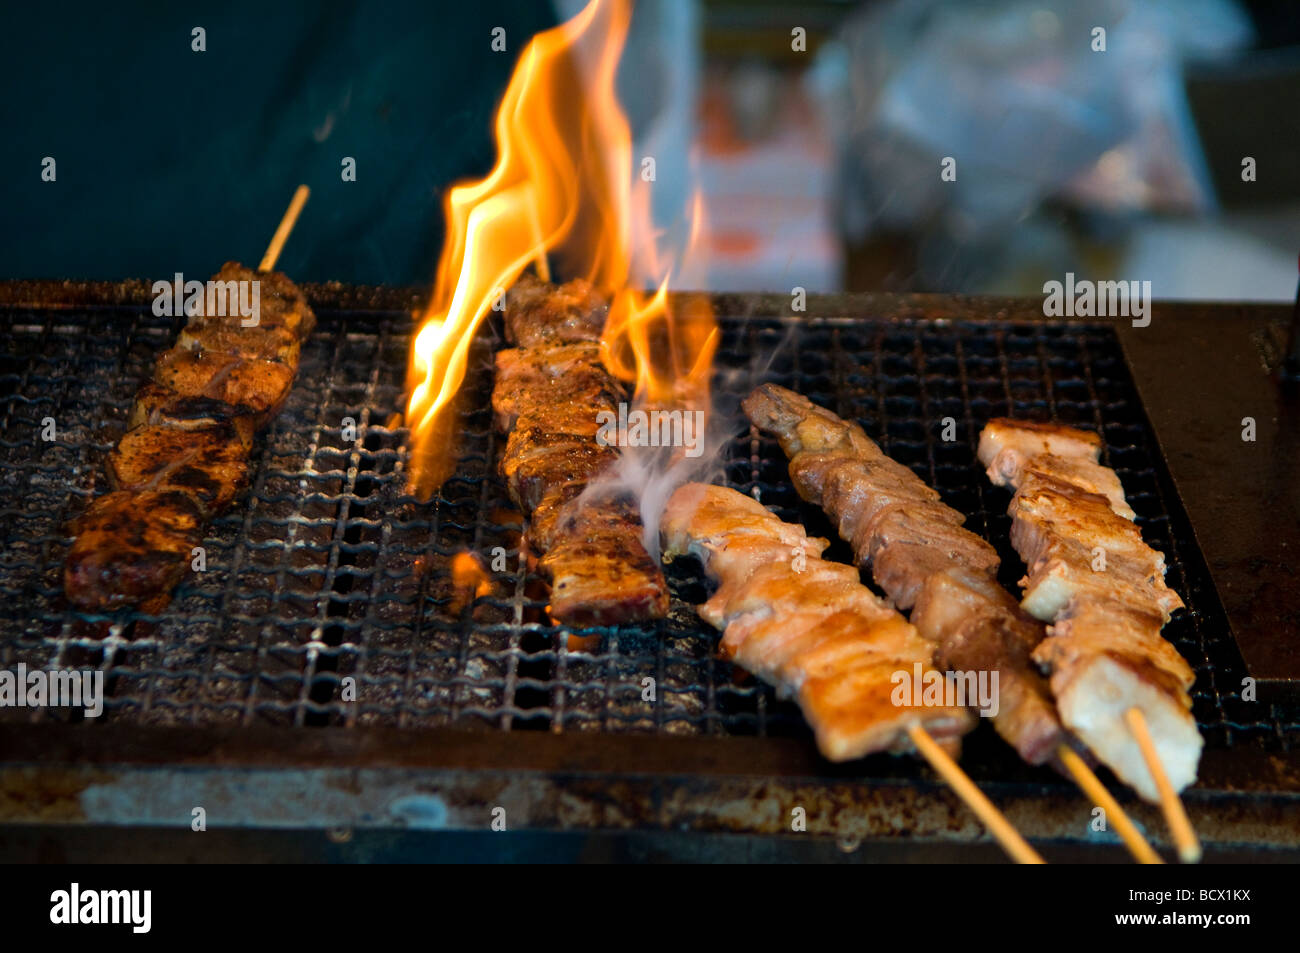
<point>357,569</point>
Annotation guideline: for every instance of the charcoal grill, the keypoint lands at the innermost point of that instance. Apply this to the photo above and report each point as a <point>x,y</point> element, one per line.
<point>328,574</point>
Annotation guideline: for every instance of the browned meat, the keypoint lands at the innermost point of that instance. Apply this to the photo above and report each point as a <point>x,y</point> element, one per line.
<point>184,457</point>
<point>978,627</point>
<point>572,376</point>
<point>1103,588</point>
<point>920,555</point>
<point>1007,447</point>
<point>252,388</point>
<point>895,522</point>
<point>131,549</point>
<point>156,404</point>
<point>281,303</point>
<point>208,464</point>
<point>547,395</point>
<point>1076,545</point>
<point>600,571</point>
<point>808,626</point>
<point>262,343</point>
<point>539,314</point>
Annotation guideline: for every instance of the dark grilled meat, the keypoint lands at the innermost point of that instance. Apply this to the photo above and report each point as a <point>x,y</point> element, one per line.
<point>921,556</point>
<point>132,549</point>
<point>184,457</point>
<point>548,392</point>
<point>250,387</point>
<point>209,464</point>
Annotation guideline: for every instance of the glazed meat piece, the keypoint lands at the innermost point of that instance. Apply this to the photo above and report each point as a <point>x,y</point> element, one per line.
<point>570,377</point>
<point>540,314</point>
<point>261,343</point>
<point>806,625</point>
<point>281,303</point>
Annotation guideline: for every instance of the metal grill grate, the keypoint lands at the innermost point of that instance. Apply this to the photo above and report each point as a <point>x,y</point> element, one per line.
<point>327,570</point>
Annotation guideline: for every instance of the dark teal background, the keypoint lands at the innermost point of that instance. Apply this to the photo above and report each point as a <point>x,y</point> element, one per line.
<point>171,160</point>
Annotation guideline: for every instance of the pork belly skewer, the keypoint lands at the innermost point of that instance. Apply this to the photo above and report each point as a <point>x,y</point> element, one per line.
<point>924,559</point>
<point>548,393</point>
<point>1119,685</point>
<point>812,629</point>
<point>184,457</point>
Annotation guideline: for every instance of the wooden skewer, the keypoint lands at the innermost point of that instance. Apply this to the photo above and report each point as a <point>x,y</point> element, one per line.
<point>990,816</point>
<point>286,226</point>
<point>1189,848</point>
<point>1084,777</point>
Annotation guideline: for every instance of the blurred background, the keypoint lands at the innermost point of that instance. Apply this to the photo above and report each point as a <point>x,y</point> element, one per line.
<point>908,145</point>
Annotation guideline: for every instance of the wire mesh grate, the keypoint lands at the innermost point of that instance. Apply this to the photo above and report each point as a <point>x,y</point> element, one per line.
<point>329,596</point>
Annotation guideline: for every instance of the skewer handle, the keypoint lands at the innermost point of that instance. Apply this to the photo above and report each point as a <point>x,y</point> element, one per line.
<point>1091,785</point>
<point>989,815</point>
<point>286,226</point>
<point>1180,828</point>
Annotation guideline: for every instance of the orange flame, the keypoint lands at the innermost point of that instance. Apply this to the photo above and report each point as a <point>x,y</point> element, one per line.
<point>562,182</point>
<point>469,580</point>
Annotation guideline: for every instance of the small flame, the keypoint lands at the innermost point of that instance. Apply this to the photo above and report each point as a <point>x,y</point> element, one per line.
<point>668,353</point>
<point>470,580</point>
<point>562,183</point>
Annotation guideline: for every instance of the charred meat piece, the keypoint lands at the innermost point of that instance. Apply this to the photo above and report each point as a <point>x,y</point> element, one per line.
<point>921,556</point>
<point>254,388</point>
<point>1103,588</point>
<point>132,548</point>
<point>281,304</point>
<point>184,457</point>
<point>807,626</point>
<point>600,571</point>
<point>547,395</point>
<point>156,404</point>
<point>540,314</point>
<point>209,464</point>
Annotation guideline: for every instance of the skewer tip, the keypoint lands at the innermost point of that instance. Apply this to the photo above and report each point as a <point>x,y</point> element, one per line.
<point>1180,827</point>
<point>1091,785</point>
<point>993,819</point>
<point>281,235</point>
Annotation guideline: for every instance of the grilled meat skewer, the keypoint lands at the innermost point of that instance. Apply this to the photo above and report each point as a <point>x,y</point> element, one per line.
<point>1104,651</point>
<point>921,556</point>
<point>184,457</point>
<point>549,390</point>
<point>806,625</point>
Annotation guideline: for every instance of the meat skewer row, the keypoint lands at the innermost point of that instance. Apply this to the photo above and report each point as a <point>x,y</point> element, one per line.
<point>920,555</point>
<point>548,393</point>
<point>1109,665</point>
<point>184,456</point>
<point>810,628</point>
<point>923,558</point>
